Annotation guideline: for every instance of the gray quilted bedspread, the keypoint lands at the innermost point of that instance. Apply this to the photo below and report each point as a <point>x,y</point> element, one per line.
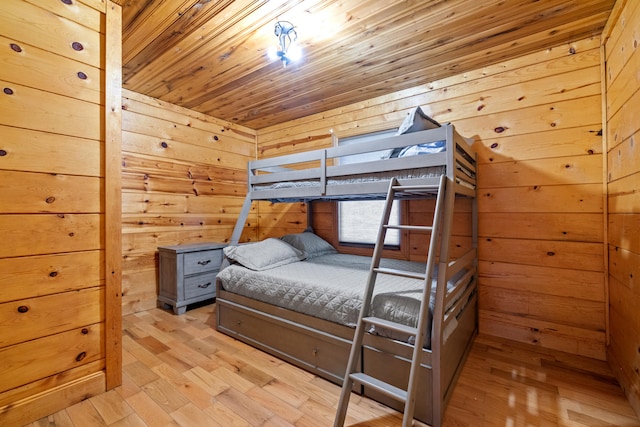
<point>331,287</point>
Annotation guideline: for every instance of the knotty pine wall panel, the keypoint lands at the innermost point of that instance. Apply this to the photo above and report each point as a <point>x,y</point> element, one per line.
<point>33,276</point>
<point>183,181</point>
<point>57,320</point>
<point>22,364</point>
<point>536,121</point>
<point>280,218</point>
<point>623,194</point>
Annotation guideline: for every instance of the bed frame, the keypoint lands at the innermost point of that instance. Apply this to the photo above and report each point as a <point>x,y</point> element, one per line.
<point>323,347</point>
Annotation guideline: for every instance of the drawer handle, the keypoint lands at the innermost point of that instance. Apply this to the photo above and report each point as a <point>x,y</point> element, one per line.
<point>23,309</point>
<point>204,262</point>
<point>81,356</point>
<point>205,285</point>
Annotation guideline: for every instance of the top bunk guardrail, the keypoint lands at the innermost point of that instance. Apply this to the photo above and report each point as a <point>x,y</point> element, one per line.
<point>320,174</point>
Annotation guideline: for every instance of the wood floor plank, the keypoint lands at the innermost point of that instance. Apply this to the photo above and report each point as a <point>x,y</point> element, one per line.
<point>616,403</point>
<point>286,392</point>
<point>188,354</point>
<point>318,414</point>
<point>153,345</point>
<point>179,371</point>
<point>188,388</point>
<point>253,412</point>
<point>133,420</point>
<point>176,360</point>
<point>139,373</point>
<point>280,408</point>
<point>127,357</point>
<point>276,421</point>
<point>233,379</point>
<point>207,381</point>
<point>149,412</point>
<point>225,416</point>
<point>59,419</point>
<point>165,395</point>
<point>85,414</point>
<point>140,352</point>
<point>191,416</point>
<point>203,347</point>
<point>128,387</point>
<point>111,406</point>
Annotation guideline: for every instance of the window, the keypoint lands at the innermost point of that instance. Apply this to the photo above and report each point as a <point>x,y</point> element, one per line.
<point>359,220</point>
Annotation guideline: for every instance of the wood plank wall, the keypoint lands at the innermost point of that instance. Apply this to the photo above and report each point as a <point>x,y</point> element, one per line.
<point>623,182</point>
<point>537,124</point>
<point>55,317</point>
<point>183,181</point>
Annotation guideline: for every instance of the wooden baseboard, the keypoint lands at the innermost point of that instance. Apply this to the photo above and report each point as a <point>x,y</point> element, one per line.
<point>42,404</point>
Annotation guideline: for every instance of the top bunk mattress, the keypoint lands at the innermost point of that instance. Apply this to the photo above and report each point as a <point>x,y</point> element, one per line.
<point>360,184</point>
<point>331,287</point>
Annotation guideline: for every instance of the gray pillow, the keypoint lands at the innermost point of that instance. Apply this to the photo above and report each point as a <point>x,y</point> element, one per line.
<point>264,255</point>
<point>416,121</point>
<point>310,244</point>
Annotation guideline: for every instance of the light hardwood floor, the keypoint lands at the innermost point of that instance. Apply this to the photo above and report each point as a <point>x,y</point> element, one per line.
<point>178,371</point>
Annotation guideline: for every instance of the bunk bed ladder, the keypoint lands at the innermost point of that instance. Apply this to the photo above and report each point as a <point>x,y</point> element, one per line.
<point>352,375</point>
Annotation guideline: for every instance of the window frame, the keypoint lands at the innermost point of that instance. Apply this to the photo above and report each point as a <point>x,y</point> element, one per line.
<point>364,247</point>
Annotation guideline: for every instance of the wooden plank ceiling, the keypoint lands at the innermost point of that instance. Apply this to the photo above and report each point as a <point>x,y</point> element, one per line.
<point>211,56</point>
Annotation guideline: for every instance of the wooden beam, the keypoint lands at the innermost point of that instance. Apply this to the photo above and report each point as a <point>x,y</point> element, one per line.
<point>113,197</point>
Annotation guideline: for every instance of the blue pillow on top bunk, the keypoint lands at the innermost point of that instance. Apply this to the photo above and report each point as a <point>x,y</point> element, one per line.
<point>415,150</point>
<point>309,243</point>
<point>269,253</point>
<point>418,121</point>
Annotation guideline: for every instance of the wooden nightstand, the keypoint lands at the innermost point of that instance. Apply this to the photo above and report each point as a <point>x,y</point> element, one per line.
<point>188,274</point>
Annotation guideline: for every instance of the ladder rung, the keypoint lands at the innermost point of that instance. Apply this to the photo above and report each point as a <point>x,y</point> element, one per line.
<point>394,326</point>
<point>384,388</point>
<point>431,187</point>
<point>402,273</point>
<point>409,227</point>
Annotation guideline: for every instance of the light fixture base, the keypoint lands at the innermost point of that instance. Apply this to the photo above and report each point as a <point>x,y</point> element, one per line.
<point>287,36</point>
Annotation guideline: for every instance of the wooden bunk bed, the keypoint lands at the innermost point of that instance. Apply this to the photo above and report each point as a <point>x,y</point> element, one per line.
<point>321,344</point>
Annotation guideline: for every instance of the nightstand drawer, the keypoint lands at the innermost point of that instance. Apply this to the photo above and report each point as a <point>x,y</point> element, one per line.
<point>202,284</point>
<point>199,262</point>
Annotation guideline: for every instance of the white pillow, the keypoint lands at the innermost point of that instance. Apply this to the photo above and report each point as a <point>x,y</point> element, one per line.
<point>310,244</point>
<point>264,255</point>
<point>416,121</point>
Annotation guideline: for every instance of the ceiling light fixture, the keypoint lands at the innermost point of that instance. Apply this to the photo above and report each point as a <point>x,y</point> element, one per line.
<point>287,50</point>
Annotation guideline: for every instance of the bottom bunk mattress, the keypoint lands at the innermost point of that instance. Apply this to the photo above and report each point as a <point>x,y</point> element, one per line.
<point>331,287</point>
